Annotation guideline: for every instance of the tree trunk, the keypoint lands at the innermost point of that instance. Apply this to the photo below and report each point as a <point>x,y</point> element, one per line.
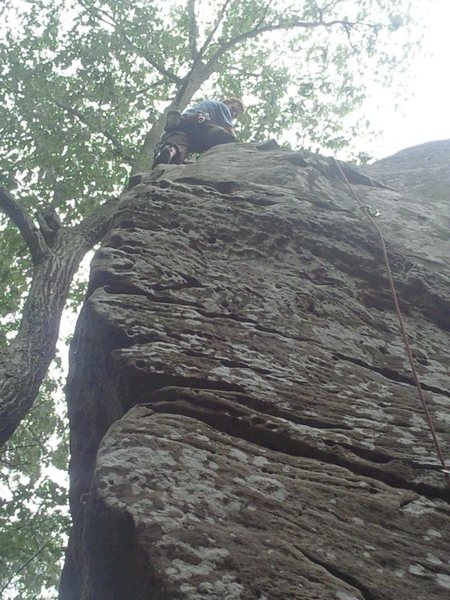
<point>190,85</point>
<point>29,355</point>
<point>26,360</point>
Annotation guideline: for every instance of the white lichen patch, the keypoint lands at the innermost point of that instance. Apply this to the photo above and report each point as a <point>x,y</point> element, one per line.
<point>112,479</point>
<point>417,421</point>
<point>176,486</point>
<point>122,457</point>
<point>431,533</point>
<point>441,401</point>
<point>312,413</point>
<point>416,570</point>
<point>239,455</point>
<point>261,461</point>
<point>138,482</point>
<point>226,588</point>
<point>377,390</point>
<point>442,416</point>
<point>368,442</point>
<point>409,438</point>
<point>443,580</point>
<point>419,506</point>
<point>434,560</point>
<point>221,371</point>
<point>116,503</point>
<point>201,437</point>
<point>267,486</point>
<point>315,432</point>
<point>195,459</point>
<point>202,562</point>
<point>341,595</point>
<point>185,570</point>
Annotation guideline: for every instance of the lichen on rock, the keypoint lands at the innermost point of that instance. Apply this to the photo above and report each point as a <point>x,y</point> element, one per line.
<point>243,421</point>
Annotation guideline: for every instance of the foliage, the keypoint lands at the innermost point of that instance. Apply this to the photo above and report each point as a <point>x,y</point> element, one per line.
<point>34,516</point>
<point>78,96</point>
<point>84,83</point>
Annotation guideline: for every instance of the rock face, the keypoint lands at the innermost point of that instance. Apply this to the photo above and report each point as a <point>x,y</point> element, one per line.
<point>244,424</point>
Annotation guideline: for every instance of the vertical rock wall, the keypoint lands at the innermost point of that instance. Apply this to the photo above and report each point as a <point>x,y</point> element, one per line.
<point>243,420</point>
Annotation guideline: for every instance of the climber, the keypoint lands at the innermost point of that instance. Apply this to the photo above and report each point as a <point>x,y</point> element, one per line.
<point>199,128</point>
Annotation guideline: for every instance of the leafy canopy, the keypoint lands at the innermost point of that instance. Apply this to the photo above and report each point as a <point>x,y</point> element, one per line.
<point>83,80</point>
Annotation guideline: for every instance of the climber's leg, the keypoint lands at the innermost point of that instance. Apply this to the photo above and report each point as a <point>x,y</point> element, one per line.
<point>173,148</point>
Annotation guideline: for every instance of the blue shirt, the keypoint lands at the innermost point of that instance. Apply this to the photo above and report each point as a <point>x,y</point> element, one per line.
<point>218,112</point>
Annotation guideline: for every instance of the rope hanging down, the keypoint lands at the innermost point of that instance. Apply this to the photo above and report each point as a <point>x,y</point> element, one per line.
<point>426,410</point>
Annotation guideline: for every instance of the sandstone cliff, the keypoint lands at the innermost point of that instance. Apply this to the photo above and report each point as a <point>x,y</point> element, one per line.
<point>243,420</point>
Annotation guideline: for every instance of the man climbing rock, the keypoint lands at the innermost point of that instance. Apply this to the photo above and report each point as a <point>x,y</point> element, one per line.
<point>198,129</point>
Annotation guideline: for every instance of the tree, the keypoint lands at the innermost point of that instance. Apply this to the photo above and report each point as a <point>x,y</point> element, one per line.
<point>86,87</point>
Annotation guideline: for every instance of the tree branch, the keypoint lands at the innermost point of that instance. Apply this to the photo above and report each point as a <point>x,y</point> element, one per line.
<point>25,361</point>
<point>150,86</point>
<point>266,10</point>
<point>24,223</point>
<point>348,31</point>
<point>98,12</point>
<point>193,29</point>
<point>216,26</point>
<point>319,10</point>
<point>258,30</point>
<point>149,58</point>
<point>109,136</point>
<point>23,567</point>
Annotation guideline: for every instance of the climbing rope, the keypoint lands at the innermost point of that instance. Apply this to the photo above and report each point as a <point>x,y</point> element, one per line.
<point>426,410</point>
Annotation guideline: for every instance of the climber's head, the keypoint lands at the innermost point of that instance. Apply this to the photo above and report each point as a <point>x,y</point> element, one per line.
<point>236,107</point>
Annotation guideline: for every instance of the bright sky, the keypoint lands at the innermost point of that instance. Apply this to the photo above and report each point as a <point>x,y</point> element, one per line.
<point>426,115</point>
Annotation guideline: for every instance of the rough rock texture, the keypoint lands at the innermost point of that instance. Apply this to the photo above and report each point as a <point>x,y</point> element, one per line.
<point>243,420</point>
